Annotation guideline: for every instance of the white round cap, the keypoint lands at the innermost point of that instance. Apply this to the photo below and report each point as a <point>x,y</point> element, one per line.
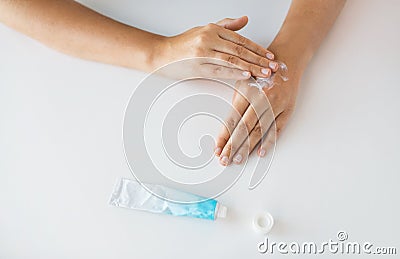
<point>263,222</point>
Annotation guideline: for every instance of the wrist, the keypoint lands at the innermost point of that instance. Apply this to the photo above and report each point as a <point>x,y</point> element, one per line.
<point>293,54</point>
<point>157,52</point>
<point>141,50</point>
<point>295,63</point>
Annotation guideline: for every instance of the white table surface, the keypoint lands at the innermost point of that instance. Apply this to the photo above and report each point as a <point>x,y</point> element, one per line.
<point>336,166</point>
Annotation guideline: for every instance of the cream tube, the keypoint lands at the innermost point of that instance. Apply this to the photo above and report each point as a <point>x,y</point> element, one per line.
<point>131,194</point>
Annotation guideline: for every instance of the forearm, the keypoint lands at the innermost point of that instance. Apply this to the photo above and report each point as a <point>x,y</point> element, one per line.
<point>305,26</point>
<point>68,26</point>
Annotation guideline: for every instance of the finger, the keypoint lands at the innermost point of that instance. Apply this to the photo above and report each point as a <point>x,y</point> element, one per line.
<point>244,42</point>
<point>233,24</point>
<point>222,72</point>
<point>242,131</point>
<point>240,104</point>
<point>274,133</point>
<point>255,70</point>
<point>254,138</point>
<point>238,135</point>
<point>243,53</point>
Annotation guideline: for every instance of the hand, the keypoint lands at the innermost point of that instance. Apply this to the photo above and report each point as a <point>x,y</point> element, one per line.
<point>219,41</point>
<point>247,124</point>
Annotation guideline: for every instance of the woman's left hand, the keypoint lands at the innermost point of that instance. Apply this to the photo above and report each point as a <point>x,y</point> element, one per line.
<point>251,119</point>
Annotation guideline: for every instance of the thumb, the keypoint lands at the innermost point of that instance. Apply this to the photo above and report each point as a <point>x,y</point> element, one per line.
<point>233,24</point>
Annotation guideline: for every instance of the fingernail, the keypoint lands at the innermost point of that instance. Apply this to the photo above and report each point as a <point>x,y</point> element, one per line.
<point>262,152</point>
<point>246,74</point>
<point>238,159</point>
<point>224,160</point>
<point>273,65</point>
<point>270,56</point>
<point>217,151</point>
<point>266,71</point>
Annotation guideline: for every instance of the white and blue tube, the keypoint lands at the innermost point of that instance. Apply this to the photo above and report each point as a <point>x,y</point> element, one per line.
<point>131,194</point>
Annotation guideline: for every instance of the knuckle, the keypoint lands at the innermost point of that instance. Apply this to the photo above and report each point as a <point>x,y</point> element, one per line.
<point>249,126</point>
<point>242,41</point>
<point>231,59</point>
<point>243,127</point>
<point>235,144</point>
<point>210,26</point>
<point>225,139</point>
<point>222,140</point>
<point>228,147</point>
<point>239,50</point>
<point>262,62</point>
<point>217,70</point>
<point>232,72</point>
<point>257,131</point>
<point>230,124</point>
<point>270,141</point>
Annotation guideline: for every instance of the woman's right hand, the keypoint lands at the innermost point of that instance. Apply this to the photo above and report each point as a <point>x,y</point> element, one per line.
<point>219,42</point>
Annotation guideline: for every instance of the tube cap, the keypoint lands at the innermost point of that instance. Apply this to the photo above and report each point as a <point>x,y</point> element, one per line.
<point>263,222</point>
<point>222,211</point>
